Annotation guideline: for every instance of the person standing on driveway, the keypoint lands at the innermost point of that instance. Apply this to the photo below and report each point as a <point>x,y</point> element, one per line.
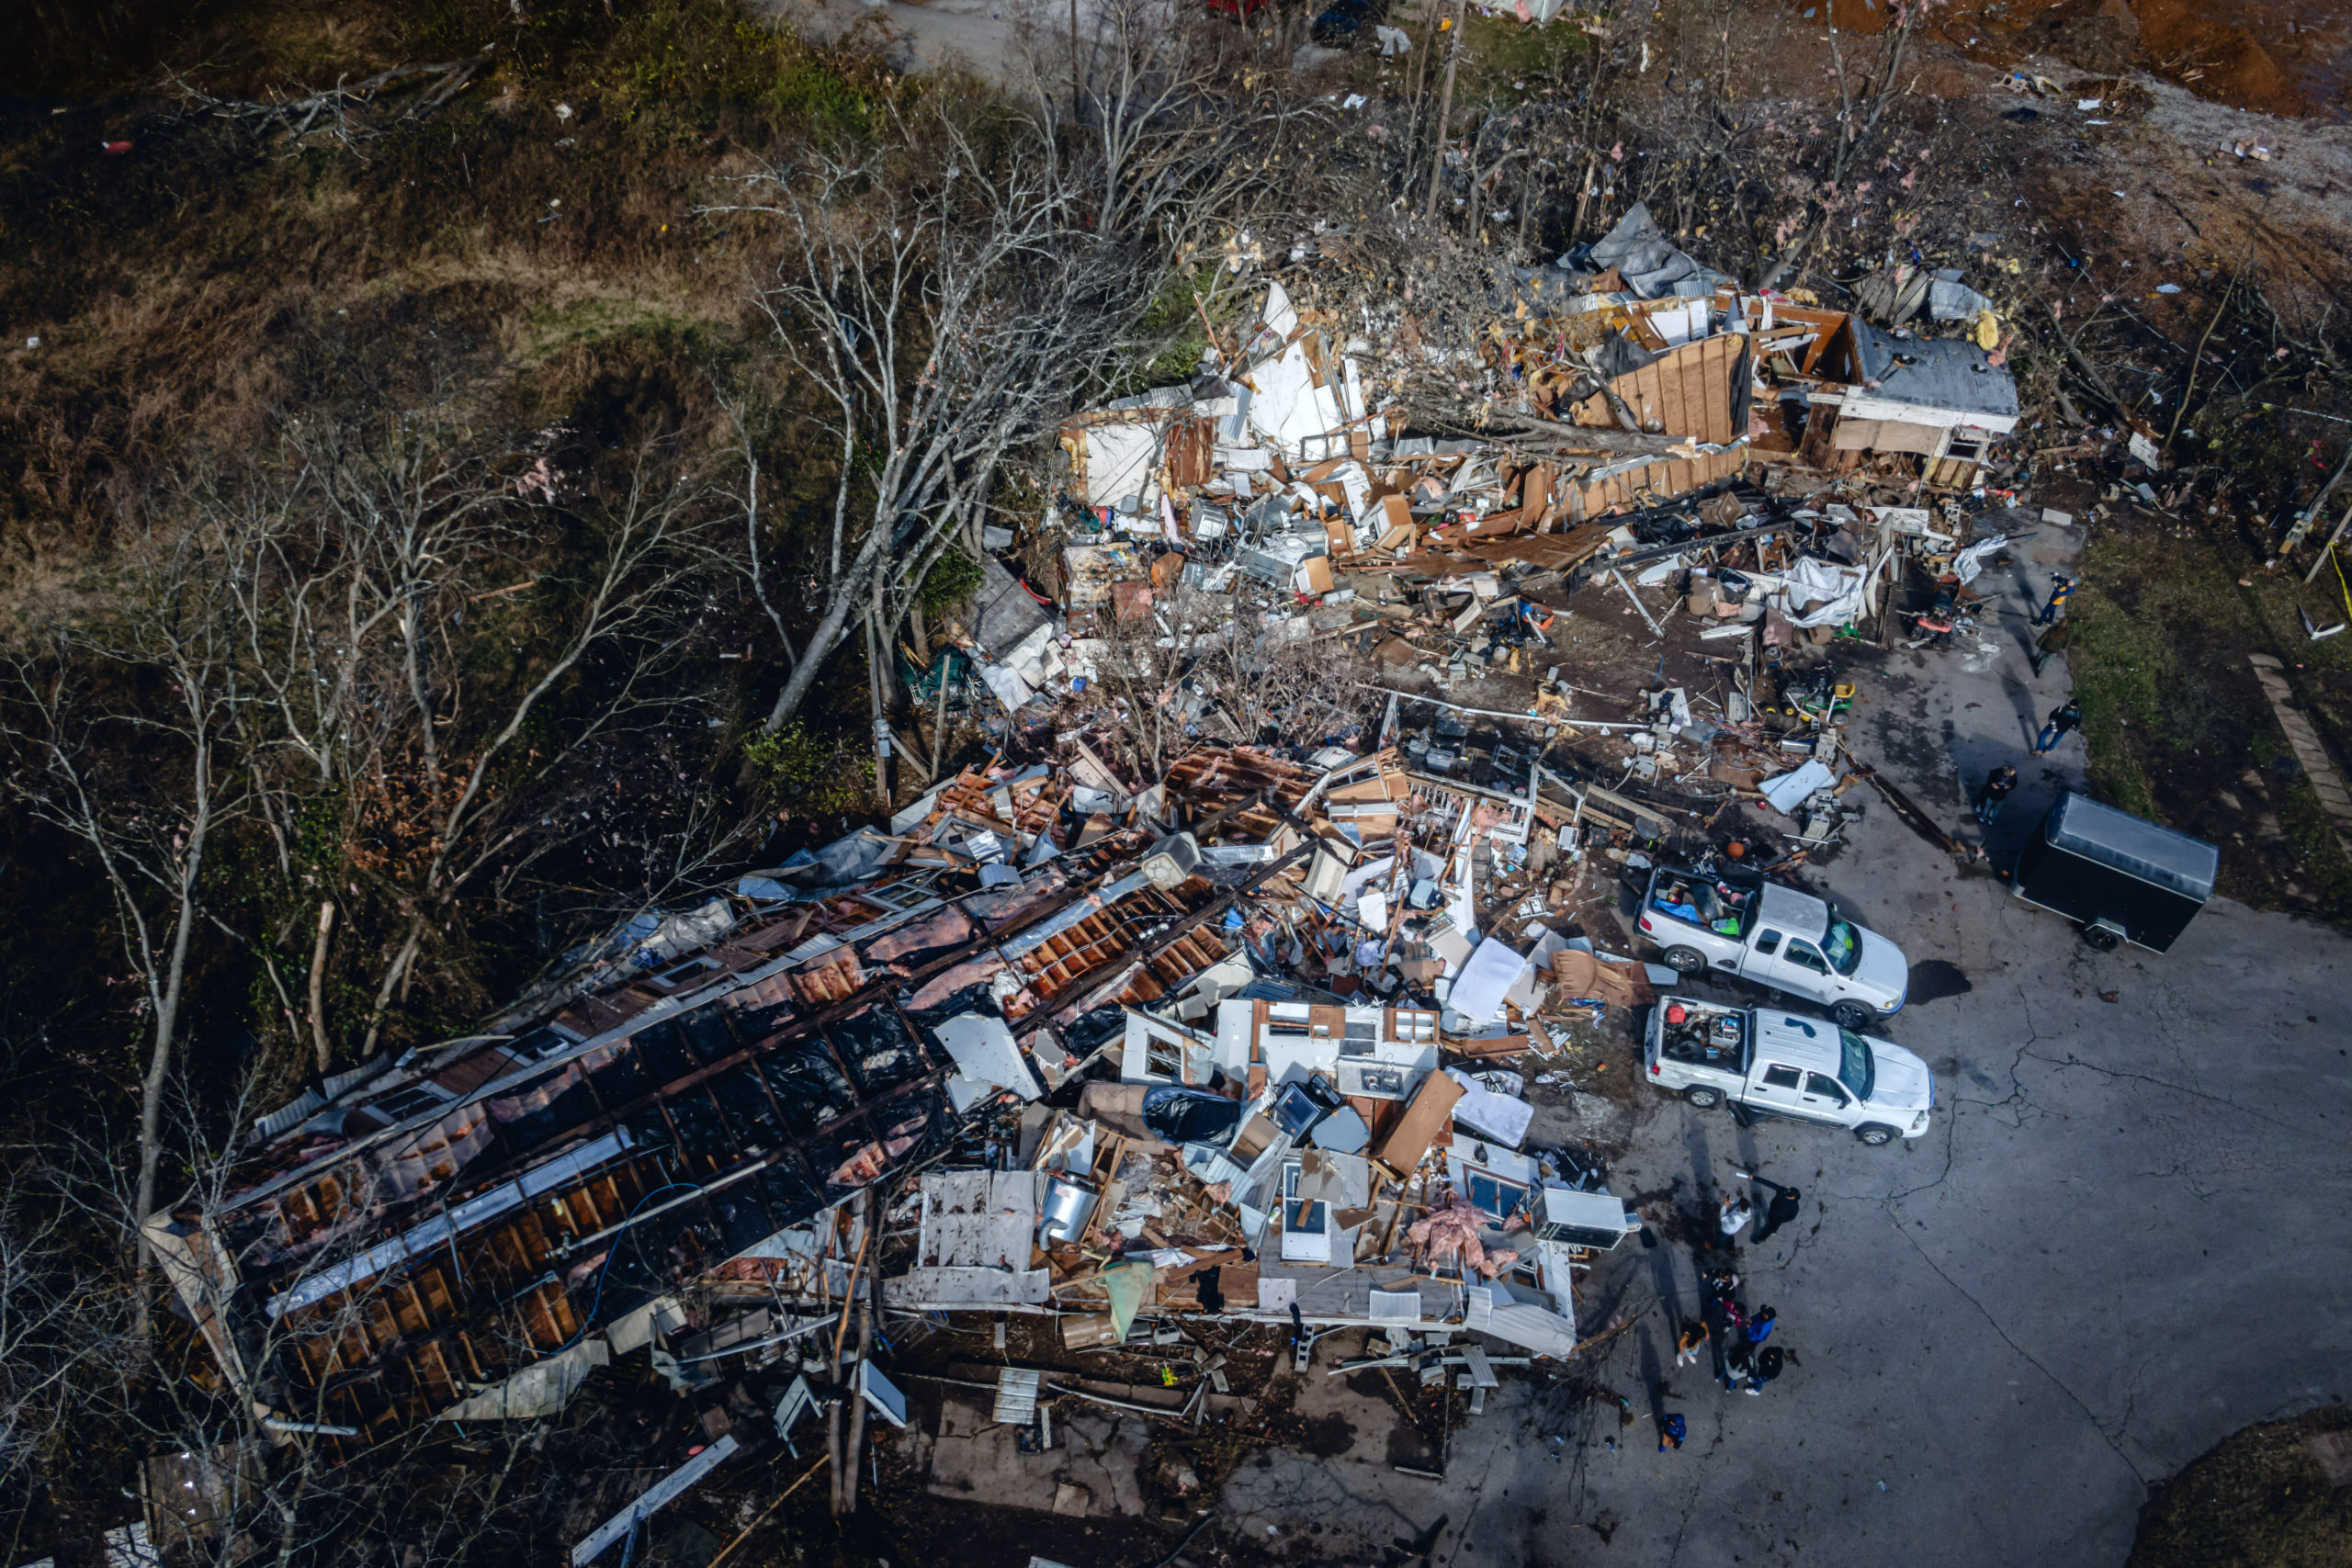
<point>1998,784</point>
<point>1693,1341</point>
<point>1671,1432</point>
<point>1733,1216</point>
<point>2067,716</point>
<point>2060,586</point>
<point>1782,1211</point>
<point>1766,1366</point>
<point>2048,644</point>
<point>1739,1358</point>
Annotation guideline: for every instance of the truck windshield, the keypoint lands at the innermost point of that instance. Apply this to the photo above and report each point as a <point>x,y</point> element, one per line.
<point>1843,946</point>
<point>1856,1068</point>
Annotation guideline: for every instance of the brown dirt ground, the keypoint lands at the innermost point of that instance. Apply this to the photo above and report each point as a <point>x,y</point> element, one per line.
<point>2230,53</point>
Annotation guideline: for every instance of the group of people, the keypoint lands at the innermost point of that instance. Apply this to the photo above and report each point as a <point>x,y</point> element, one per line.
<point>1736,1336</point>
<point>1724,1328</point>
<point>2066,717</point>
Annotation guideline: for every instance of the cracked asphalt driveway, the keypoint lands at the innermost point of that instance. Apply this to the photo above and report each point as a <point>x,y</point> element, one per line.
<point>2121,1242</point>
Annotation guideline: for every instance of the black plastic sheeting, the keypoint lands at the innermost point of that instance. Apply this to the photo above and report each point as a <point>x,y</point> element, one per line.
<point>808,1083</point>
<point>955,1004</point>
<point>758,1023</point>
<point>706,1144</point>
<point>532,1129</point>
<point>1091,1030</point>
<point>879,1050</point>
<point>1190,1115</point>
<point>661,1052</point>
<point>620,1079</point>
<point>741,1096</point>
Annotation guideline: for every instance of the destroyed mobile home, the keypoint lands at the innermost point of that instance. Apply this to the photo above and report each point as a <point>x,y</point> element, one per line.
<point>1241,1037</point>
<point>463,1233</point>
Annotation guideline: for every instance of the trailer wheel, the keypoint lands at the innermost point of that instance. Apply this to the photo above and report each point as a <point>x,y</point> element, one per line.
<point>2099,939</point>
<point>1703,1097</point>
<point>1685,960</point>
<point>1875,1136</point>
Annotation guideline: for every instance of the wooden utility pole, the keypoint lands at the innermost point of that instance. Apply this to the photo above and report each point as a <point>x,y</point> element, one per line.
<point>1445,108</point>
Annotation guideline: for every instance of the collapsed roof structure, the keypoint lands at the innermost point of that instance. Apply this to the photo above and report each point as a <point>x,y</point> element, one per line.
<point>463,1232</point>
<point>1620,400</point>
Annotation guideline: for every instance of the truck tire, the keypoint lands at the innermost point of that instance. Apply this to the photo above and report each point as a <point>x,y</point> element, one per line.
<point>1876,1135</point>
<point>2099,939</point>
<point>1685,960</point>
<point>1853,1016</point>
<point>1704,1098</point>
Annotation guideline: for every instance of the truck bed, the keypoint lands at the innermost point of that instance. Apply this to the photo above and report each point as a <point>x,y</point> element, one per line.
<point>1712,1038</point>
<point>1713,911</point>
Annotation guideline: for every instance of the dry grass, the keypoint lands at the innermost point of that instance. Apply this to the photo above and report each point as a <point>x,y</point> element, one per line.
<point>2258,1500</point>
<point>188,293</point>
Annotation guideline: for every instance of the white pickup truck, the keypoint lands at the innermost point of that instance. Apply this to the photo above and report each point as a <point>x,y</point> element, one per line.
<point>1731,920</point>
<point>1773,1063</point>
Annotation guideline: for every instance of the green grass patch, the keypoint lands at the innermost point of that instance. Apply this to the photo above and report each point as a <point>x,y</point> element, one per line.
<point>657,59</point>
<point>1170,339</point>
<point>1506,60</point>
<point>2121,667</point>
<point>2324,873</point>
<point>953,578</point>
<point>2179,730</point>
<point>594,322</point>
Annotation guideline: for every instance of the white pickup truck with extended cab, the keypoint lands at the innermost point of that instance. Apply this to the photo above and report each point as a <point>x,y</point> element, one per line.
<point>1770,1062</point>
<point>1730,920</point>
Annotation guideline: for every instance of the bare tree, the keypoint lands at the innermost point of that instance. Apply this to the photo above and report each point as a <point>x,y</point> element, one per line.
<point>56,1321</point>
<point>950,295</point>
<point>1142,699</point>
<point>1208,669</point>
<point>1864,96</point>
<point>1284,681</point>
<point>326,646</point>
<point>942,323</point>
<point>428,658</point>
<point>120,734</point>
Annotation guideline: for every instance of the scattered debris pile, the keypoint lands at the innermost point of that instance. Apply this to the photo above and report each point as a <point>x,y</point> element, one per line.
<point>1130,1052</point>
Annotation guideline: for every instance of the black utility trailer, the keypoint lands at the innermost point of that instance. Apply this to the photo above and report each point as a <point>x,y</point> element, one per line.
<point>2118,877</point>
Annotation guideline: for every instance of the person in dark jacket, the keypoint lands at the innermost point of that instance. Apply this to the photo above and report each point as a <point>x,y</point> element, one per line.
<point>1768,1367</point>
<point>1998,784</point>
<point>1782,1209</point>
<point>2066,716</point>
